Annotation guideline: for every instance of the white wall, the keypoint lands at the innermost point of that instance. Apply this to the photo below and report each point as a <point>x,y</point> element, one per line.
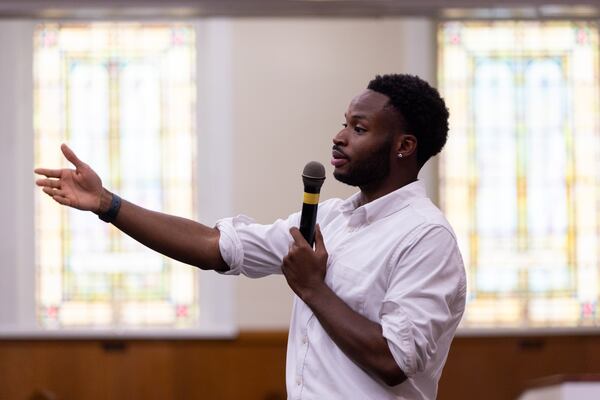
<point>16,151</point>
<point>272,95</point>
<point>292,82</point>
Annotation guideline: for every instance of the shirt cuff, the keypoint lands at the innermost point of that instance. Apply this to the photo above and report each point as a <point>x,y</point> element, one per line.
<point>230,244</point>
<point>396,329</point>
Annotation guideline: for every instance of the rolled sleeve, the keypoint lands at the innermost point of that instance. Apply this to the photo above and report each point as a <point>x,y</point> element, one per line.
<point>230,245</point>
<point>425,299</point>
<point>252,249</point>
<point>397,331</point>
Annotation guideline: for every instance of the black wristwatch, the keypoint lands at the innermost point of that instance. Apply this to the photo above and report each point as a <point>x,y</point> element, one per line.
<point>111,214</point>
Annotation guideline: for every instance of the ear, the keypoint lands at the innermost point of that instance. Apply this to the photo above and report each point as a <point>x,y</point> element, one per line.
<point>406,145</point>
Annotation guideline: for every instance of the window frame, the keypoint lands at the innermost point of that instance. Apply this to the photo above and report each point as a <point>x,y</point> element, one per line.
<point>18,270</point>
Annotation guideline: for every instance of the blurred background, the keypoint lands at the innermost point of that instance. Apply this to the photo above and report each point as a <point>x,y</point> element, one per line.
<point>209,109</point>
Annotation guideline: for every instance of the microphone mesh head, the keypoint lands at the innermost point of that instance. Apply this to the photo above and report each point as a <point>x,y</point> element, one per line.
<point>313,176</point>
<point>314,170</point>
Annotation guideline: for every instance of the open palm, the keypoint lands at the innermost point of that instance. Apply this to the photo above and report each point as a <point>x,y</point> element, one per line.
<point>79,188</point>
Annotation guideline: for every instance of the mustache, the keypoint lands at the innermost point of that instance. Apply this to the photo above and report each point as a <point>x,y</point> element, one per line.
<point>336,149</point>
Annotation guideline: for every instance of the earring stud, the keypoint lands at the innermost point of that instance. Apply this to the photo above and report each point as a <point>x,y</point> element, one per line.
<point>400,155</point>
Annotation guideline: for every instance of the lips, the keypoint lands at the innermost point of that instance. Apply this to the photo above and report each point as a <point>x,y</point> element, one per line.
<point>338,158</point>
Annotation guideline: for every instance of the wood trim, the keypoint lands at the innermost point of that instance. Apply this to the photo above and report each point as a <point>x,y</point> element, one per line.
<point>252,366</point>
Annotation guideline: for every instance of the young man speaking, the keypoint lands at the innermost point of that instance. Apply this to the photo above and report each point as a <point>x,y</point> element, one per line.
<point>380,296</point>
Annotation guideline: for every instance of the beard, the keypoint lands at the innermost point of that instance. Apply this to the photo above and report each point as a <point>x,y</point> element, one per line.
<point>372,169</point>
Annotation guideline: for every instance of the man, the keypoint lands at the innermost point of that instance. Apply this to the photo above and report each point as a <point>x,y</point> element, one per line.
<point>379,297</point>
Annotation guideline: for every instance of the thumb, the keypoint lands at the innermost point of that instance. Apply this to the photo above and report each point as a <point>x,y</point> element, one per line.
<point>319,242</point>
<point>69,155</point>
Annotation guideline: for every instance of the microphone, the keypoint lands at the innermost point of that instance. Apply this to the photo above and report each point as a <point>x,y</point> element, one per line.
<point>313,177</point>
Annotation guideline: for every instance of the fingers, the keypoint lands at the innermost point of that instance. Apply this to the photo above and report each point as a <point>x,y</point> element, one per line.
<point>298,238</point>
<point>50,173</point>
<point>62,200</point>
<point>56,173</point>
<point>57,195</point>
<point>319,242</point>
<point>50,183</point>
<point>69,155</point>
<point>52,187</point>
<point>53,192</point>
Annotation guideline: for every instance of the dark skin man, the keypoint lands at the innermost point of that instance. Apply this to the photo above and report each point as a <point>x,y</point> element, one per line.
<point>371,152</point>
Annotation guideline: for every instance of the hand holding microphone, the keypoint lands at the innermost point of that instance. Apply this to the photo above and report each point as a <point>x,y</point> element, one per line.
<point>305,267</point>
<point>313,177</point>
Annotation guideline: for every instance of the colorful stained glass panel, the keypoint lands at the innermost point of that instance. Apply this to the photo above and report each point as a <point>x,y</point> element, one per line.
<point>123,96</point>
<point>520,175</point>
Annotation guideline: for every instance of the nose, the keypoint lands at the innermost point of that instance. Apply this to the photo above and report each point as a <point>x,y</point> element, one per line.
<point>340,138</point>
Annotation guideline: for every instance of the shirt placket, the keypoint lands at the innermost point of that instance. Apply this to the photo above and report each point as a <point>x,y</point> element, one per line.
<point>303,359</point>
<point>355,223</point>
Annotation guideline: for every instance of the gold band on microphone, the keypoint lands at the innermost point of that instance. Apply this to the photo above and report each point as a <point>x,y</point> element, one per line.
<point>311,198</point>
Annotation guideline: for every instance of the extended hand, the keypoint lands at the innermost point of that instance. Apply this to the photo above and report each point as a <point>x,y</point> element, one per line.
<point>79,188</point>
<point>303,267</point>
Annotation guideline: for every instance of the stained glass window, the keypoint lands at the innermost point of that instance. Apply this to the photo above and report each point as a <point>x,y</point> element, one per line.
<point>520,176</point>
<point>122,95</point>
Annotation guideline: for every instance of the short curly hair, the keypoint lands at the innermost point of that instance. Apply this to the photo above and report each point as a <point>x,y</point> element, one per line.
<point>422,110</point>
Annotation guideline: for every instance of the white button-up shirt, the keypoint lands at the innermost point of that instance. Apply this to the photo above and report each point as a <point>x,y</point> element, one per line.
<point>395,261</point>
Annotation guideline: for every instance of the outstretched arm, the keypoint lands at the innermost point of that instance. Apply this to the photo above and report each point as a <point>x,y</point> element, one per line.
<point>179,238</point>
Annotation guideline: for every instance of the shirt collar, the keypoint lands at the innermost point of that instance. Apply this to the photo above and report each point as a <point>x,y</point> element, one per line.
<point>385,205</point>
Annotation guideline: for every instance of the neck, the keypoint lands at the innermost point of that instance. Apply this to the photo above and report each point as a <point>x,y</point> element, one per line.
<point>376,190</point>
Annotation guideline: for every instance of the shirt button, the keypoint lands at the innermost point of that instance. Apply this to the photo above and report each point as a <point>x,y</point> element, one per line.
<point>298,381</point>
<point>304,340</point>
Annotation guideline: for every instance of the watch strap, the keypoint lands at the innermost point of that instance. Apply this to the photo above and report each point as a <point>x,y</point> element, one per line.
<point>111,214</point>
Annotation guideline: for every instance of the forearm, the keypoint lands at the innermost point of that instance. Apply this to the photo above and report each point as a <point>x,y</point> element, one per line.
<point>178,238</point>
<point>359,338</point>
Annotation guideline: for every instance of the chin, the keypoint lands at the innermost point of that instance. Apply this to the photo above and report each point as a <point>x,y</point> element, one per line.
<point>345,178</point>
<point>339,176</point>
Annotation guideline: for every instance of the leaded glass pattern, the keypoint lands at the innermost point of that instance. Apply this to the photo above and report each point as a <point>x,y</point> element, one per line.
<point>122,95</point>
<point>520,176</point>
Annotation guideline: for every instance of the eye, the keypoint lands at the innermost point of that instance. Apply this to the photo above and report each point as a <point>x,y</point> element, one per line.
<point>356,128</point>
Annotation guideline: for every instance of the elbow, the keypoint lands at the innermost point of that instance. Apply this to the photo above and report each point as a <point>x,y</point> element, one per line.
<point>393,376</point>
<point>386,368</point>
<point>212,263</point>
<point>212,267</point>
<point>208,257</point>
<point>219,266</point>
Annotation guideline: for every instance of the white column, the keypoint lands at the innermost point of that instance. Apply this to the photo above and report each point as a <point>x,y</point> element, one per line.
<point>215,160</point>
<point>17,263</point>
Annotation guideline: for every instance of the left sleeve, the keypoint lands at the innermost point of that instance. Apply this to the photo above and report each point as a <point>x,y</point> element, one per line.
<point>257,250</point>
<point>252,249</point>
<point>425,298</point>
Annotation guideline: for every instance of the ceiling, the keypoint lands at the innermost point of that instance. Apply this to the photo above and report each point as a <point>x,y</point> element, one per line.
<point>72,9</point>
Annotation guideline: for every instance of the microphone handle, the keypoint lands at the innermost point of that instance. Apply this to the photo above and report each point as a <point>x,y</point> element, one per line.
<point>308,220</point>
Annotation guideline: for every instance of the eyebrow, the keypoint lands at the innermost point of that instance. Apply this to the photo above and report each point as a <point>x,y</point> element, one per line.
<point>357,116</point>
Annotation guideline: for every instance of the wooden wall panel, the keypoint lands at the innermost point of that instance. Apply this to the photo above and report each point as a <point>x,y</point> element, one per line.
<point>475,367</point>
<point>500,368</point>
<point>252,367</point>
